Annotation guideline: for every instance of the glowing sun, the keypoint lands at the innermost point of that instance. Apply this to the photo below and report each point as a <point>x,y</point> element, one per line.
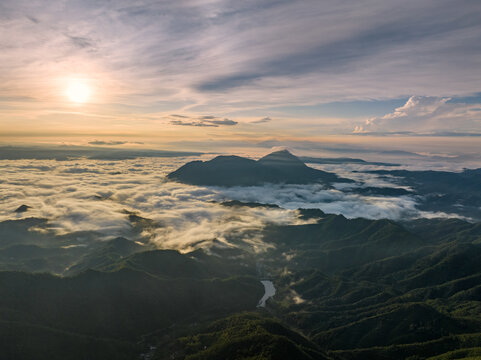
<point>78,92</point>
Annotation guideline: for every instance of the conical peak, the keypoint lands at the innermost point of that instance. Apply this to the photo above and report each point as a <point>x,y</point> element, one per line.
<point>281,157</point>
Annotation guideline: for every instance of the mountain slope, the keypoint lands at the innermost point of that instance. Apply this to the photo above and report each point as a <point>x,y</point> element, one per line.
<point>109,312</point>
<point>244,336</point>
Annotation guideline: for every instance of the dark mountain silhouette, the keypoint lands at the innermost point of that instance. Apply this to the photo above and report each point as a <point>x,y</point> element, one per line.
<point>343,160</point>
<point>277,167</point>
<point>22,208</point>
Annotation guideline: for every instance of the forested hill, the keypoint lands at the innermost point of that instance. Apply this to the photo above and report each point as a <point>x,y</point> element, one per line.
<point>346,289</point>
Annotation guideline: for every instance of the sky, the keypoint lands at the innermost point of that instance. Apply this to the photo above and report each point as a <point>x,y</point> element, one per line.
<point>215,74</point>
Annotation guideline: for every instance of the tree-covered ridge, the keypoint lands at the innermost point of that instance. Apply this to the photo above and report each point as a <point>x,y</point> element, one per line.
<point>243,336</point>
<point>346,289</point>
<point>351,284</point>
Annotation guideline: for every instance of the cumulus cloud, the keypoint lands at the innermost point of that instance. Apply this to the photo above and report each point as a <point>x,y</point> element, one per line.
<point>202,121</point>
<point>428,116</point>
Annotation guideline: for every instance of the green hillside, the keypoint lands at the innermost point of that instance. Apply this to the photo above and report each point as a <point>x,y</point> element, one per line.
<point>345,289</point>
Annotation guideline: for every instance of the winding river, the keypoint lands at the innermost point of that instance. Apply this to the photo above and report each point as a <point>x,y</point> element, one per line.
<point>269,291</point>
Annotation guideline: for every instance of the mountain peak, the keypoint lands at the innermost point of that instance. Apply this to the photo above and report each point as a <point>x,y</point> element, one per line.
<point>22,208</point>
<point>281,158</point>
<point>276,167</point>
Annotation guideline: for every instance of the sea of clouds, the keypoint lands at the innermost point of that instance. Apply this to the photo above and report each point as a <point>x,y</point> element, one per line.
<point>95,195</point>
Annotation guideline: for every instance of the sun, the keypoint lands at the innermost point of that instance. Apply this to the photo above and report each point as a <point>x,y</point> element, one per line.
<point>78,91</point>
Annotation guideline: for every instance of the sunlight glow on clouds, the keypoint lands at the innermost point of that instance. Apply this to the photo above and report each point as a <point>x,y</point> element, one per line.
<point>235,60</point>
<point>429,115</point>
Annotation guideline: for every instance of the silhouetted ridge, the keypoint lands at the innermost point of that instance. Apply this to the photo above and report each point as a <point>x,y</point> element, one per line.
<point>281,158</point>
<point>277,167</point>
<point>22,208</point>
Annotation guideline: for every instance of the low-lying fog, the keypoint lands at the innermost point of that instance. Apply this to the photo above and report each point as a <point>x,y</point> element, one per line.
<point>96,195</point>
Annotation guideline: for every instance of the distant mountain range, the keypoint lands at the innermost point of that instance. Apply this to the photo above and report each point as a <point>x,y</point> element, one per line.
<point>62,153</point>
<point>343,160</point>
<point>436,191</point>
<point>450,192</point>
<point>277,167</point>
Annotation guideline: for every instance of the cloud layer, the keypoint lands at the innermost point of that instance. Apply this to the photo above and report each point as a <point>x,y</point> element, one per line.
<point>98,196</point>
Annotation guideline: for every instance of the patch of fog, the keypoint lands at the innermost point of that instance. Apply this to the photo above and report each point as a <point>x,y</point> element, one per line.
<point>439,215</point>
<point>360,174</point>
<point>296,298</point>
<point>269,291</point>
<point>73,246</point>
<point>455,164</point>
<point>333,201</point>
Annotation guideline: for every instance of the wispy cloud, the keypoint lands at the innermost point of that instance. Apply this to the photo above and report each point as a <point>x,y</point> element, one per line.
<point>263,120</point>
<point>101,142</point>
<point>203,121</point>
<point>226,57</point>
<point>81,42</point>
